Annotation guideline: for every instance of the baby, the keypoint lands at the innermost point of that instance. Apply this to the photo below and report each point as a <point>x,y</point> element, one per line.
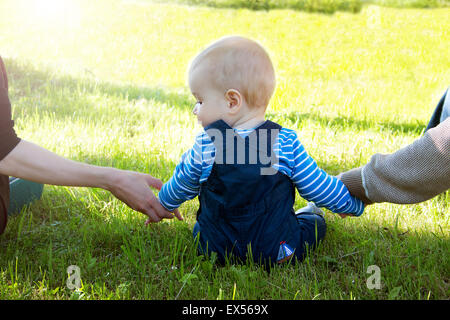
<point>245,169</point>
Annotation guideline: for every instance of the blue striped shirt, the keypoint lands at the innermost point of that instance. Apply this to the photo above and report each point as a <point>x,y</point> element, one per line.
<point>312,183</point>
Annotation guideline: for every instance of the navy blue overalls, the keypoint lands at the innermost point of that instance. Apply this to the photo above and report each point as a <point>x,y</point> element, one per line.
<point>244,214</point>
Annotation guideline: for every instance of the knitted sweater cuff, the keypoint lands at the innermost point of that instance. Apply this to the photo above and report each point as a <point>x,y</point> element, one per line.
<point>353,181</point>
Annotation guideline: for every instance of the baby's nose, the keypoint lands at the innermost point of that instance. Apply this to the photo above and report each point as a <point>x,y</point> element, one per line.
<point>195,110</point>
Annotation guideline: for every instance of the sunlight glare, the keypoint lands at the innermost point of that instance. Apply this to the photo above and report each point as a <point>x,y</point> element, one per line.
<point>55,12</point>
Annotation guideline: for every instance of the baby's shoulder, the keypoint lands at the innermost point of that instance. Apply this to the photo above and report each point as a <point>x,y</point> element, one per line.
<point>287,135</point>
<point>202,137</point>
<point>203,143</point>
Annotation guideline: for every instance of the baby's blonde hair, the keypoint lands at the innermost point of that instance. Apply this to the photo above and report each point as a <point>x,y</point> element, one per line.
<point>239,63</point>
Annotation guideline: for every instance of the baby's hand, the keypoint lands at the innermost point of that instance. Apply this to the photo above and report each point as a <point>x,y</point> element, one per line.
<point>176,213</point>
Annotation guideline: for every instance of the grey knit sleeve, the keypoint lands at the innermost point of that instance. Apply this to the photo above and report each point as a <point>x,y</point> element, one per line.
<point>414,173</point>
<point>353,181</point>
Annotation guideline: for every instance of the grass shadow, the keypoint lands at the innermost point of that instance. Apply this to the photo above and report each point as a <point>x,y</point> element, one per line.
<point>313,6</point>
<point>410,4</point>
<point>27,80</point>
<point>414,128</point>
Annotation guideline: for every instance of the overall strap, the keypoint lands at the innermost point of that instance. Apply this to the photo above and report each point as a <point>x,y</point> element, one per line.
<point>222,125</point>
<point>270,125</point>
<point>230,146</point>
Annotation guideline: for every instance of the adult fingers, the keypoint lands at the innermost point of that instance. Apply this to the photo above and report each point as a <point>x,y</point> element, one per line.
<point>153,182</point>
<point>152,216</point>
<point>160,210</point>
<point>177,214</point>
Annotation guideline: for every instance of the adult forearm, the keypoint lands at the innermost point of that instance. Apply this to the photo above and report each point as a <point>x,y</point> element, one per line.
<point>31,162</point>
<point>34,163</point>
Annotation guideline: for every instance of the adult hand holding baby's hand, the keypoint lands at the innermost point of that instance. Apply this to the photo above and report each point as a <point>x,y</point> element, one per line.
<point>133,189</point>
<point>176,213</point>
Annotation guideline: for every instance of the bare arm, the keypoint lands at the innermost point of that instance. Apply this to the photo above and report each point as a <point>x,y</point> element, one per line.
<point>31,162</point>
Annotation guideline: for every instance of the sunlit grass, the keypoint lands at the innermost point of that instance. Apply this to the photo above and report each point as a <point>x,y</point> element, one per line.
<point>107,85</point>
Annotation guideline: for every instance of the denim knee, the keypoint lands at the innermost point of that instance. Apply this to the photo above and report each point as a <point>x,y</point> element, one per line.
<point>195,234</point>
<point>313,227</point>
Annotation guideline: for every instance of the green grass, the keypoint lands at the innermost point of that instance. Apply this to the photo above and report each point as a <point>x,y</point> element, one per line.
<point>412,3</point>
<point>107,85</point>
<point>322,6</point>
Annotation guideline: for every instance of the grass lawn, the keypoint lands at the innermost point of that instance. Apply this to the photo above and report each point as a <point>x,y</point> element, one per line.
<point>104,83</point>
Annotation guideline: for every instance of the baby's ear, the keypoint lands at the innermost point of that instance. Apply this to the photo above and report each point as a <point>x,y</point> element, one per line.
<point>234,99</point>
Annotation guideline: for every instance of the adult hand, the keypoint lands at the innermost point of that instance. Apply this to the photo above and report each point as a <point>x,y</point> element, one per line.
<point>34,163</point>
<point>133,189</point>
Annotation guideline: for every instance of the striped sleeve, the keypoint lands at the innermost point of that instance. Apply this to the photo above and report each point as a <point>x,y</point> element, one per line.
<point>313,183</point>
<point>193,169</point>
